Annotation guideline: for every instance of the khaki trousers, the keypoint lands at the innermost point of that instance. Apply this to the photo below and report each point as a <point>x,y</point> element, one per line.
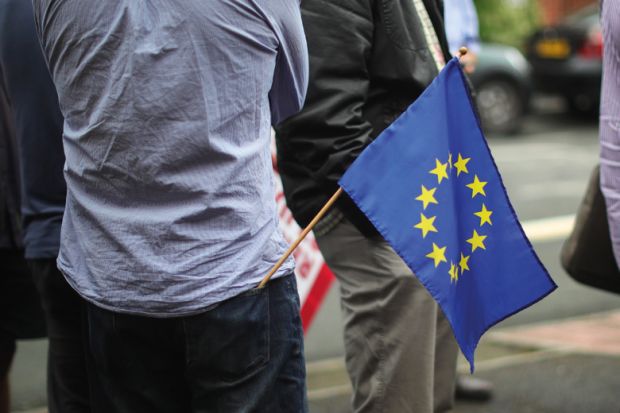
<point>400,350</point>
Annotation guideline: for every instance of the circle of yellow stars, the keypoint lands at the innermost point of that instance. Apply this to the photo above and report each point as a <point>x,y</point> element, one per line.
<point>427,223</point>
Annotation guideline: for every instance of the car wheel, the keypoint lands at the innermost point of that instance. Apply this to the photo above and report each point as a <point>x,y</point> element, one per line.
<point>500,105</point>
<point>583,105</point>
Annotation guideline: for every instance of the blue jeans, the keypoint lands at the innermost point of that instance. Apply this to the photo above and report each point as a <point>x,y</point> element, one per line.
<point>245,355</point>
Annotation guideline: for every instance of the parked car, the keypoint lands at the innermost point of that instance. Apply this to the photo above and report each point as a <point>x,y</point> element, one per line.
<point>567,59</point>
<point>503,87</point>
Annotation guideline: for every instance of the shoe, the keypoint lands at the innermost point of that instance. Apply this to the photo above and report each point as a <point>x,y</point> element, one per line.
<point>472,388</point>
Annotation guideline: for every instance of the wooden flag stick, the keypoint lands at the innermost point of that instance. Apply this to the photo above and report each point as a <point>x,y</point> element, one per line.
<point>301,237</point>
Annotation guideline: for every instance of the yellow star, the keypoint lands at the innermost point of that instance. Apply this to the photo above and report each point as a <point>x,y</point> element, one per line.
<point>477,187</point>
<point>485,215</point>
<point>426,225</point>
<point>427,196</point>
<point>438,254</point>
<point>461,165</point>
<point>464,263</point>
<point>477,241</point>
<point>440,170</point>
<point>454,272</point>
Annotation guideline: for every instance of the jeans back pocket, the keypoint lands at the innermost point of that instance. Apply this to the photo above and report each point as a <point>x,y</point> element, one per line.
<point>231,342</point>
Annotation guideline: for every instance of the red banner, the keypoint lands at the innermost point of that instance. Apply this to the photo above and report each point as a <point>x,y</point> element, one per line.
<point>313,276</point>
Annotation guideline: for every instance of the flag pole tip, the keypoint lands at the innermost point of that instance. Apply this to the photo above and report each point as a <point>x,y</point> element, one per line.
<point>463,51</point>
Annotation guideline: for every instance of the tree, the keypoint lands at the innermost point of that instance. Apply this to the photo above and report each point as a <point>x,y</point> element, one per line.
<point>507,21</point>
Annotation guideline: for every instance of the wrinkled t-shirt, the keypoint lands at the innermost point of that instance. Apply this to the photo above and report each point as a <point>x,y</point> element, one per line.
<point>168,106</point>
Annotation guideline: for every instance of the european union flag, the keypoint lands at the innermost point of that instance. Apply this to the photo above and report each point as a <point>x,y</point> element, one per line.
<point>430,186</point>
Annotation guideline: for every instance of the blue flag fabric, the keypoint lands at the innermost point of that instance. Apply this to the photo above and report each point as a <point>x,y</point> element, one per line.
<point>430,186</point>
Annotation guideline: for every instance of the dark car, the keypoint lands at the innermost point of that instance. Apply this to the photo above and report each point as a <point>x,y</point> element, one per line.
<point>567,59</point>
<point>503,87</point>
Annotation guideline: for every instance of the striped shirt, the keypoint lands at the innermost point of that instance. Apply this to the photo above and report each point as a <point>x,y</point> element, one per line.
<point>609,124</point>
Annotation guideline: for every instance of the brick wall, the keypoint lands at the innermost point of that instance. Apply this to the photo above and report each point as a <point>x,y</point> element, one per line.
<point>553,10</point>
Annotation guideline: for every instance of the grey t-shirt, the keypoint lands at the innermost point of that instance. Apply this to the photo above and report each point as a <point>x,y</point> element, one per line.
<point>168,106</point>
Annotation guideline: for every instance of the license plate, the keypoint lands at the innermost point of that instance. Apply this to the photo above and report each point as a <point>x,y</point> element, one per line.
<point>553,48</point>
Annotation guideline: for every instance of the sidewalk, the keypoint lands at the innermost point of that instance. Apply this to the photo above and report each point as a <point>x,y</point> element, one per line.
<point>569,366</point>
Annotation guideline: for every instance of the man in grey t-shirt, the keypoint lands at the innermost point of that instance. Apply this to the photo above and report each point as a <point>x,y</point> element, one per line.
<point>170,219</point>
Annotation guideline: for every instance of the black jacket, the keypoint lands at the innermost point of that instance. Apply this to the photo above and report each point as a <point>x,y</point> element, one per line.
<point>369,61</point>
<point>10,225</point>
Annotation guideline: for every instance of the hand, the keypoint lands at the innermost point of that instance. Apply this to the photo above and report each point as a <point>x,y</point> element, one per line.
<point>468,60</point>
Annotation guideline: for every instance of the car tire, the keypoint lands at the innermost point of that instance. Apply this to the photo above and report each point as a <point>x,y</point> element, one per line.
<point>501,106</point>
<point>583,105</point>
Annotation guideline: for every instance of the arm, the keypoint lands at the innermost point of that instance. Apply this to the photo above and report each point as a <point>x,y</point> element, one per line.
<point>290,79</point>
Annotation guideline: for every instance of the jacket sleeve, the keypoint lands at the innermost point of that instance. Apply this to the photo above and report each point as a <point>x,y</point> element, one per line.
<point>330,132</point>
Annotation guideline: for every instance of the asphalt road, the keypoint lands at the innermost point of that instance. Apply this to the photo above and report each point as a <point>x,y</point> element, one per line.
<point>545,169</point>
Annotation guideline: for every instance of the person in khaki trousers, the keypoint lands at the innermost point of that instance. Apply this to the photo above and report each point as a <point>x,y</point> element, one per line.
<point>369,60</point>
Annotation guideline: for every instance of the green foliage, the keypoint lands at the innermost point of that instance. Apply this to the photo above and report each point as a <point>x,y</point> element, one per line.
<point>507,21</point>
